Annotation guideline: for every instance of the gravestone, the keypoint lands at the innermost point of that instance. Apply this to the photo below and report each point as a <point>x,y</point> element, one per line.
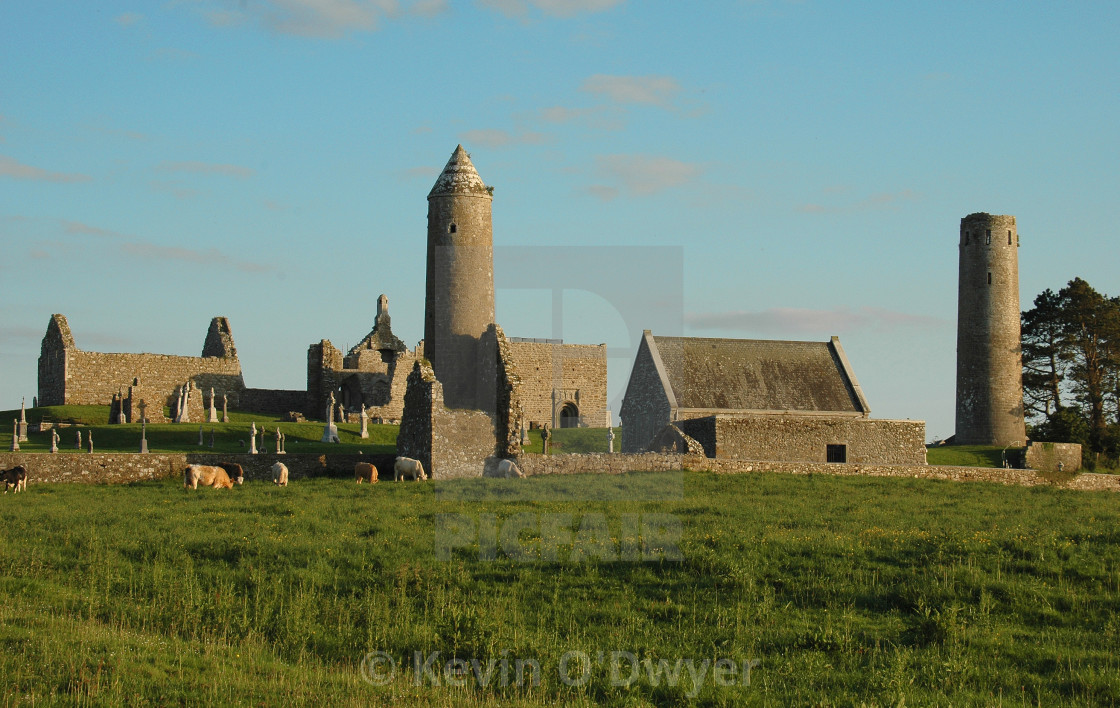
<point>15,435</point>
<point>78,445</point>
<point>253,440</point>
<point>365,423</point>
<point>54,440</point>
<point>22,421</point>
<point>225,406</point>
<point>213,410</point>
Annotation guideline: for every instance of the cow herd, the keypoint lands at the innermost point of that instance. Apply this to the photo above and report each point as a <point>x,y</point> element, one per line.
<point>225,474</point>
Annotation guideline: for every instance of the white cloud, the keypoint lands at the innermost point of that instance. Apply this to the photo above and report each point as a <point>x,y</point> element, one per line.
<point>642,175</point>
<point>658,91</point>
<point>211,256</point>
<point>796,321</point>
<point>10,167</point>
<point>128,19</point>
<point>555,8</point>
<point>326,19</point>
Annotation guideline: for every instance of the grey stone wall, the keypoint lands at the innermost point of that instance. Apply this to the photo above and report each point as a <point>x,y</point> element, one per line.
<point>68,375</point>
<point>989,354</point>
<point>576,372</point>
<point>265,400</point>
<point>1046,456</point>
<point>805,438</point>
<point>645,407</point>
<point>449,443</point>
<point>119,468</point>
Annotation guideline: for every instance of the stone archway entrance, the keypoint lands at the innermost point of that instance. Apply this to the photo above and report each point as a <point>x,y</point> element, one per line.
<point>569,416</point>
<point>350,393</point>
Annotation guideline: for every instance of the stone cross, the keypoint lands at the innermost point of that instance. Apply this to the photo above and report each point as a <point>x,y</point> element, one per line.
<point>610,440</point>
<point>120,407</point>
<point>546,436</point>
<point>225,404</point>
<point>89,439</point>
<point>15,435</point>
<point>213,411</point>
<point>330,432</point>
<point>365,423</point>
<point>283,439</point>
<point>341,414</point>
<point>143,407</point>
<point>330,410</point>
<point>22,420</point>
<point>78,445</point>
<point>200,436</point>
<point>143,431</point>
<point>279,437</point>
<point>54,440</point>
<point>253,440</point>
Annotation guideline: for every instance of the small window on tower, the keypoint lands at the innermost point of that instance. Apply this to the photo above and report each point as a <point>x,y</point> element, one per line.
<point>966,238</point>
<point>1009,237</point>
<point>989,237</point>
<point>451,228</point>
<point>989,277</point>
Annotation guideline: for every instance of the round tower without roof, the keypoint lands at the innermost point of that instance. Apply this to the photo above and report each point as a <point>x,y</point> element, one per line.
<point>459,295</point>
<point>989,348</point>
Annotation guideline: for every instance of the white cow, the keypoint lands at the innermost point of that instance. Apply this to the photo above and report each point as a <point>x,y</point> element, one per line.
<point>505,469</point>
<point>207,476</point>
<point>280,474</point>
<point>408,467</point>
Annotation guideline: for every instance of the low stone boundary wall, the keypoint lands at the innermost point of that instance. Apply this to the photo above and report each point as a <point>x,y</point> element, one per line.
<point>119,468</point>
<point>620,463</point>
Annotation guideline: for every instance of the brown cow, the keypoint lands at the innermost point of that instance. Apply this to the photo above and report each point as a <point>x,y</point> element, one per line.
<point>234,471</point>
<point>365,472</point>
<point>15,477</point>
<point>207,476</point>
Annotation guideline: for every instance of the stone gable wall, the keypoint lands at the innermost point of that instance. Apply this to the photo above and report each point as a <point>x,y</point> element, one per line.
<point>645,407</point>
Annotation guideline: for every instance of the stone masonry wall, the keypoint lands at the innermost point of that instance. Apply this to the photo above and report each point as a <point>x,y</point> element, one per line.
<point>118,468</point>
<point>565,368</point>
<point>1047,456</point>
<point>266,400</point>
<point>645,407</point>
<point>805,439</point>
<point>92,378</point>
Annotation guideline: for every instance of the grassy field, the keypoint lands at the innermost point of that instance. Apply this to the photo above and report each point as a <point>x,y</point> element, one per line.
<point>845,591</point>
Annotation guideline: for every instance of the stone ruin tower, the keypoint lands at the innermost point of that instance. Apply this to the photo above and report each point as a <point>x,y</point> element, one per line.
<point>459,296</point>
<point>989,347</point>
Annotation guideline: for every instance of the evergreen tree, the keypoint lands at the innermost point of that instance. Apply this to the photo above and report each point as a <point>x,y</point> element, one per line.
<point>1044,367</point>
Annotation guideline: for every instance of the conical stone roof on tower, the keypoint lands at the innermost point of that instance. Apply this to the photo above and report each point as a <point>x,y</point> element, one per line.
<point>459,177</point>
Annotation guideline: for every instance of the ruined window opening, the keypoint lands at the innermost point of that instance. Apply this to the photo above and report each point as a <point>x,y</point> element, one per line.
<point>989,277</point>
<point>989,237</point>
<point>836,453</point>
<point>1009,237</point>
<point>966,238</point>
<point>451,228</point>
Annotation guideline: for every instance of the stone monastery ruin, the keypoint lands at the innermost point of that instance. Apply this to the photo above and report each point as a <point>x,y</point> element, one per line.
<point>466,394</point>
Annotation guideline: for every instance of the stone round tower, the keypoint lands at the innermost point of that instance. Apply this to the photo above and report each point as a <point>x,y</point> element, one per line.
<point>989,347</point>
<point>459,296</point>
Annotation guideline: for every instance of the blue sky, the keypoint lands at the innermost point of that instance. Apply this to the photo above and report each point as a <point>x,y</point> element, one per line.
<point>801,166</point>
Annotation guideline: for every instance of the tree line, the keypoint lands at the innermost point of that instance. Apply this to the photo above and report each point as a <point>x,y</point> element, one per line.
<point>1071,370</point>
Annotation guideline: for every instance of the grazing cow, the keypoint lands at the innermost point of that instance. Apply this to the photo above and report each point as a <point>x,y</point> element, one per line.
<point>15,477</point>
<point>234,471</point>
<point>408,467</point>
<point>505,469</point>
<point>365,472</point>
<point>207,476</point>
<point>280,474</point>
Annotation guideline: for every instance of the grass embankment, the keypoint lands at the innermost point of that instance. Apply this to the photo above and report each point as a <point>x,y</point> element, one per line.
<point>845,590</point>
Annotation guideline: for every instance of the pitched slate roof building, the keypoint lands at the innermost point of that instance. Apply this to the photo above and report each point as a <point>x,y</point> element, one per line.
<point>759,399</point>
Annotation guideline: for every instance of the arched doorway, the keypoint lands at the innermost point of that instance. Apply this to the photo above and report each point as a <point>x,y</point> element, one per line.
<point>350,393</point>
<point>569,416</point>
